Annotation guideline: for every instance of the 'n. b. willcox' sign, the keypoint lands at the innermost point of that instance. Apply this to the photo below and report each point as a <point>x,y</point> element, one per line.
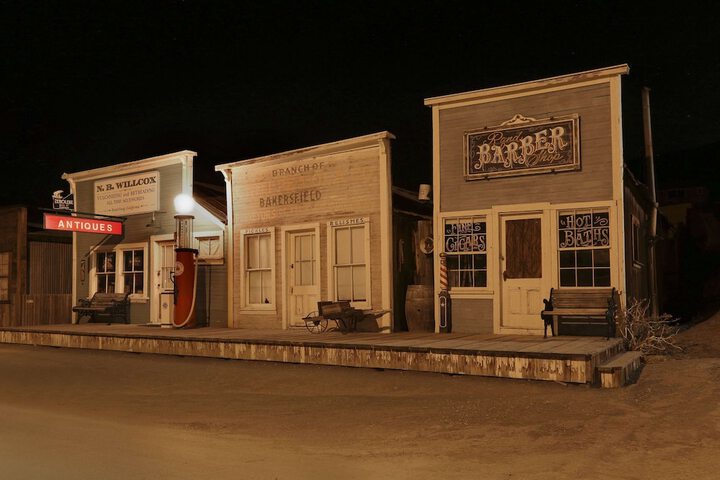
<point>523,146</point>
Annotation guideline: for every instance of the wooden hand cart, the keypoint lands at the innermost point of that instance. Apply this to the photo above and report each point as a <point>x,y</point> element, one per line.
<point>344,316</point>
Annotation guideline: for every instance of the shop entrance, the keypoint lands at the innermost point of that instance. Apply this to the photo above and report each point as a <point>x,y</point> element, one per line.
<point>162,284</point>
<point>302,272</point>
<point>521,269</point>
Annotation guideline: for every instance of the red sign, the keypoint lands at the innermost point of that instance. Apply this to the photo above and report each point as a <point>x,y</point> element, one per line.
<point>67,223</point>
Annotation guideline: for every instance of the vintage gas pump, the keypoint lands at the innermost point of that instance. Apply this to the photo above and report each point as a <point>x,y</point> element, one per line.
<point>444,299</point>
<point>185,276</point>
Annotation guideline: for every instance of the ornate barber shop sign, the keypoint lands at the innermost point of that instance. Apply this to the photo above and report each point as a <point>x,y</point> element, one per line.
<point>523,146</point>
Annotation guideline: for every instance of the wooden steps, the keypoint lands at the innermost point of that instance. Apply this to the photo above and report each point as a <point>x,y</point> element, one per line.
<point>620,370</point>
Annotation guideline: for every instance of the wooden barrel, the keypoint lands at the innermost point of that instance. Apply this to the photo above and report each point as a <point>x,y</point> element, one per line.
<point>419,308</point>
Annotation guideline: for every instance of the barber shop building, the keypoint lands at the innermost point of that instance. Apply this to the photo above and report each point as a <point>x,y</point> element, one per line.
<point>531,194</point>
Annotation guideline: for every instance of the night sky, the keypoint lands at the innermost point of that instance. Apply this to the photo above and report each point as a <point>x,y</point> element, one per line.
<point>86,85</point>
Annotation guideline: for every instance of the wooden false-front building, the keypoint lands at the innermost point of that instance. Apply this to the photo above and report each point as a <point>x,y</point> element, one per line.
<point>529,196</point>
<point>141,261</point>
<point>308,225</point>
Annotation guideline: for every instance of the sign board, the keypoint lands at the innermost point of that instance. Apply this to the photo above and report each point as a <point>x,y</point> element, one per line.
<point>63,202</point>
<point>523,146</point>
<point>128,195</point>
<point>465,236</point>
<point>67,223</point>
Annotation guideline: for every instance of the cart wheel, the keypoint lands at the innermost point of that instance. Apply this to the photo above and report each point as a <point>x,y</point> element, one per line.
<point>318,325</point>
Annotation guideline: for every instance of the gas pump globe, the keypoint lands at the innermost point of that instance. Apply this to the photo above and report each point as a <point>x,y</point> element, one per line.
<point>185,277</point>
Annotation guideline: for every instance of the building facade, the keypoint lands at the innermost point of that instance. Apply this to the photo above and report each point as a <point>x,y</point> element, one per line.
<point>141,261</point>
<point>529,196</point>
<point>308,225</point>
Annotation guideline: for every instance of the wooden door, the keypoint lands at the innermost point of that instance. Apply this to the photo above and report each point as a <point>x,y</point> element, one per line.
<point>522,272</point>
<point>163,269</point>
<point>302,275</point>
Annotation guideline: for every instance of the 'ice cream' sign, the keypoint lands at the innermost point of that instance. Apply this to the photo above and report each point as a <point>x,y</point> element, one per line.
<point>523,146</point>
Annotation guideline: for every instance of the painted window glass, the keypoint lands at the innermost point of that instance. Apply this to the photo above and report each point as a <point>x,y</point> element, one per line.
<point>258,269</point>
<point>584,248</point>
<point>465,247</point>
<point>4,276</point>
<point>349,263</point>
<point>105,269</point>
<point>134,271</point>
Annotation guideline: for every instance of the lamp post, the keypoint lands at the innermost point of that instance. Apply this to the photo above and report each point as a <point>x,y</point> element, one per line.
<point>185,277</point>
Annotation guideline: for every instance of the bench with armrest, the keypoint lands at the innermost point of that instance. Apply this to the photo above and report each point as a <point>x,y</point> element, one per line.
<point>587,306</point>
<point>113,306</point>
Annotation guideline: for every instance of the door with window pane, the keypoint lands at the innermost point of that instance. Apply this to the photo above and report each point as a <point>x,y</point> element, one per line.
<point>302,274</point>
<point>522,273</point>
<point>164,268</point>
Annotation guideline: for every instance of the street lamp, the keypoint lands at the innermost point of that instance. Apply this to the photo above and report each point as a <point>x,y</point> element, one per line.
<point>185,277</point>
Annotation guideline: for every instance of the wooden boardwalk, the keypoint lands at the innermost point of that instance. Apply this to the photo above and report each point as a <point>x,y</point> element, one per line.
<point>566,359</point>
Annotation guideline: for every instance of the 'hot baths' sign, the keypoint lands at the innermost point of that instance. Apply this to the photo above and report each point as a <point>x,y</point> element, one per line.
<point>523,146</point>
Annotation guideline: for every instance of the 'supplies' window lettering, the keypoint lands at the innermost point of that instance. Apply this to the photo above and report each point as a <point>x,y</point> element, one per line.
<point>349,267</point>
<point>4,276</point>
<point>105,272</point>
<point>465,246</point>
<point>258,270</point>
<point>584,248</point>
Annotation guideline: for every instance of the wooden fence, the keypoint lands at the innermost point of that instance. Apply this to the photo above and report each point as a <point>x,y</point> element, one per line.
<point>45,309</point>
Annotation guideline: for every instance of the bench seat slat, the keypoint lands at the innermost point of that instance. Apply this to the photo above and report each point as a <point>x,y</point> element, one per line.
<point>576,311</point>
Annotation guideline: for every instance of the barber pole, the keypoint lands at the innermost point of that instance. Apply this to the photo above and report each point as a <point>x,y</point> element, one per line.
<point>443,273</point>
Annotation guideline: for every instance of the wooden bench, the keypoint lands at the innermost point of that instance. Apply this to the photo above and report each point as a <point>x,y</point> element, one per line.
<point>345,316</point>
<point>114,306</point>
<point>587,306</point>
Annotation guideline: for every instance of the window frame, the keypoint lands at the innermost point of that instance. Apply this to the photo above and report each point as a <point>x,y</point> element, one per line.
<point>575,210</point>
<point>636,241</point>
<point>474,217</point>
<point>332,226</point>
<point>7,277</point>
<point>244,293</point>
<point>119,251</point>
<point>210,259</point>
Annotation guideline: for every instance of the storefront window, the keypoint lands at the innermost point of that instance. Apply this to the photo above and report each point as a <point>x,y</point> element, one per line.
<point>465,247</point>
<point>4,276</point>
<point>105,272</point>
<point>349,263</point>
<point>258,269</point>
<point>584,248</point>
<point>133,271</point>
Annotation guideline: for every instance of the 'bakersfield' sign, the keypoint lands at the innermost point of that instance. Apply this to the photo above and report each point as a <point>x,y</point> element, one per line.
<point>128,195</point>
<point>523,146</point>
<point>66,223</point>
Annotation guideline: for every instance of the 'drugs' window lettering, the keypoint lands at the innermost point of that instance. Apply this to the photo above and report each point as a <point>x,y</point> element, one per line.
<point>584,248</point>
<point>258,270</point>
<point>465,246</point>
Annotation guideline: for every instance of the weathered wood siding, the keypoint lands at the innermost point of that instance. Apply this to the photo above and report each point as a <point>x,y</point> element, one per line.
<point>212,295</point>
<point>49,268</point>
<point>472,315</point>
<point>593,182</point>
<point>13,239</point>
<point>333,186</point>
<point>46,309</point>
<point>636,271</point>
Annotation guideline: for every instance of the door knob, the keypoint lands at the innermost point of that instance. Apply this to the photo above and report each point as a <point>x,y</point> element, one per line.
<point>505,275</point>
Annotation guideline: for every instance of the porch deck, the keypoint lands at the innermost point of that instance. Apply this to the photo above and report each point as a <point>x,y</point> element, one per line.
<point>565,359</point>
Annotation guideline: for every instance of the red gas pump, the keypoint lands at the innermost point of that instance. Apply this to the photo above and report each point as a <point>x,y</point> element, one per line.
<point>185,276</point>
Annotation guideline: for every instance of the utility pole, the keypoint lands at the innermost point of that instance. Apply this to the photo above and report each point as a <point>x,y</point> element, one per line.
<point>650,162</point>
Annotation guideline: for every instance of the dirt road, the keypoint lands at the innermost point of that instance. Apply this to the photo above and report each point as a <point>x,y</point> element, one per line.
<point>84,414</point>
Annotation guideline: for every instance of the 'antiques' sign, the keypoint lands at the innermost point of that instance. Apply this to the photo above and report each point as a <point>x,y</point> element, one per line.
<point>128,195</point>
<point>66,223</point>
<point>523,146</point>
